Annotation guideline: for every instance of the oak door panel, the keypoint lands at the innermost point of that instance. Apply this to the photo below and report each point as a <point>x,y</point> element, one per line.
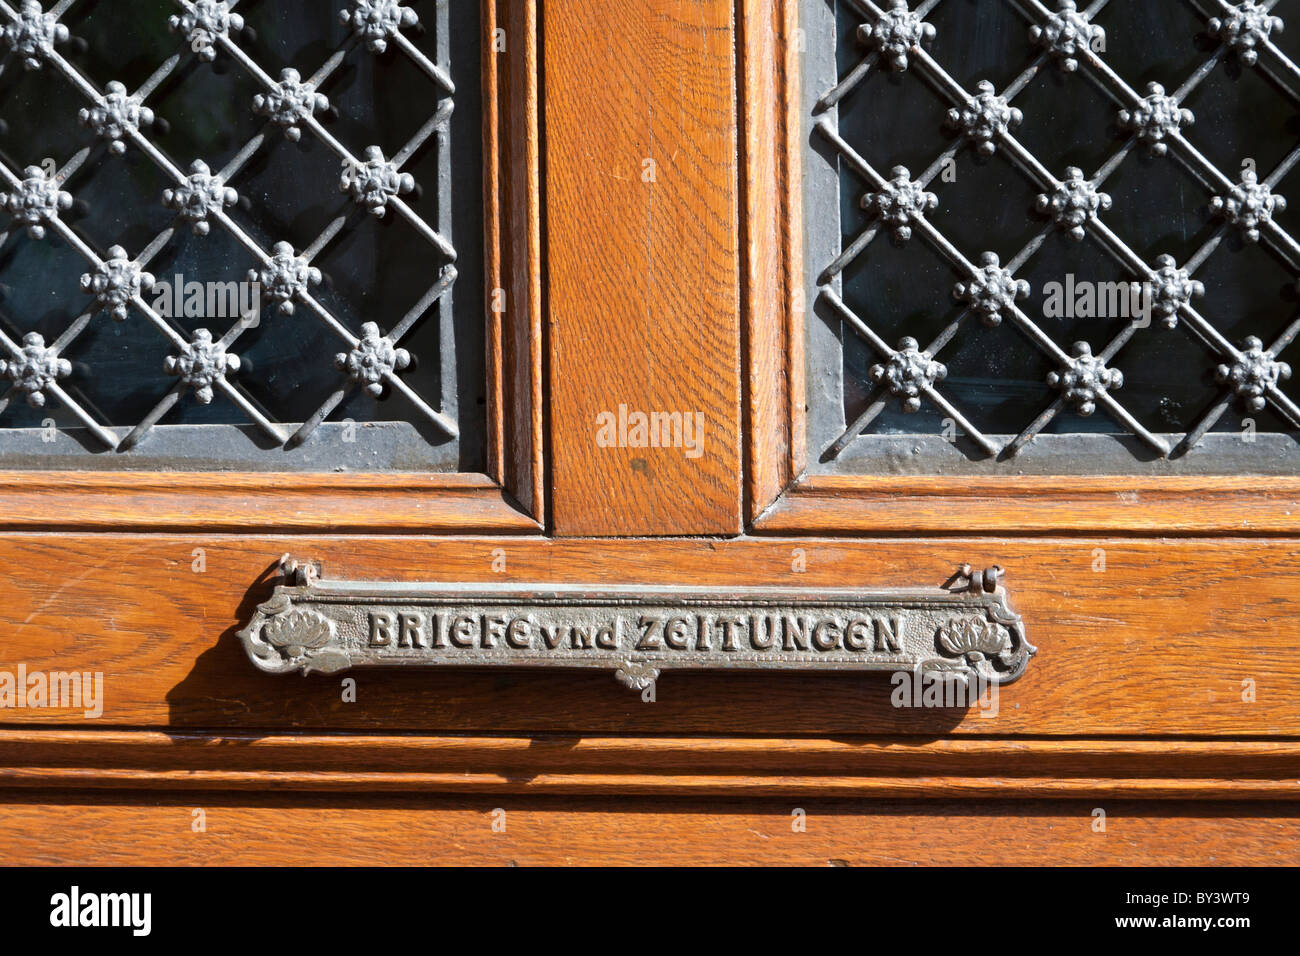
<point>1161,641</point>
<point>643,261</point>
<point>846,767</point>
<point>251,830</point>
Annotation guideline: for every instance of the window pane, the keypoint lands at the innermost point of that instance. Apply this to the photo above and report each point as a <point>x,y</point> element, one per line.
<point>1051,241</point>
<point>299,208</point>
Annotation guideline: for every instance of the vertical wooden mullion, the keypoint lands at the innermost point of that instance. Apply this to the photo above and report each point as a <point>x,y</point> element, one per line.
<point>643,267</point>
<point>513,245</point>
<point>773,283</point>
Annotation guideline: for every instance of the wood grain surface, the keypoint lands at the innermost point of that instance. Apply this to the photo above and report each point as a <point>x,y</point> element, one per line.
<point>213,502</point>
<point>1026,504</point>
<point>257,830</point>
<point>513,243</point>
<point>858,766</point>
<point>642,260</point>
<point>643,222</point>
<point>771,232</point>
<point>1161,641</point>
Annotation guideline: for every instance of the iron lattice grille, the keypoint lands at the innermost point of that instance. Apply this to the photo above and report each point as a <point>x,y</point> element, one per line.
<point>895,40</point>
<point>202,361</point>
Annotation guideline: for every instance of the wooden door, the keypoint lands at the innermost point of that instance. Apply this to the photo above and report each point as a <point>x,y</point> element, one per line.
<point>653,194</point>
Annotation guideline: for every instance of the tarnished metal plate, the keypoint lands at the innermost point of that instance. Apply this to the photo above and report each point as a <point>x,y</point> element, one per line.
<point>965,628</point>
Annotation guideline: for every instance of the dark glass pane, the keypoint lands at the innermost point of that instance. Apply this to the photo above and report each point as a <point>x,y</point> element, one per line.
<point>908,239</point>
<point>290,188</point>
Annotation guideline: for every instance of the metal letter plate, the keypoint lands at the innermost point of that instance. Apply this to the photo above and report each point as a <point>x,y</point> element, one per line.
<point>965,629</point>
